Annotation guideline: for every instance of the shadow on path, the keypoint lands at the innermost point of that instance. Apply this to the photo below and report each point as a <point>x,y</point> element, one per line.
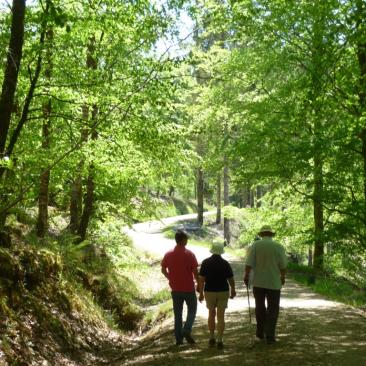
<point>311,331</point>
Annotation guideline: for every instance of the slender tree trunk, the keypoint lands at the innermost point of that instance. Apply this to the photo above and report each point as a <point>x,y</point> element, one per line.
<point>42,221</point>
<point>200,188</point>
<point>318,214</point>
<point>88,205</point>
<point>76,202</point>
<point>361,56</point>
<point>87,209</point>
<point>227,233</point>
<point>11,70</point>
<point>14,56</point>
<point>76,198</point>
<point>315,115</point>
<point>258,196</point>
<point>90,185</point>
<point>310,257</point>
<point>218,199</point>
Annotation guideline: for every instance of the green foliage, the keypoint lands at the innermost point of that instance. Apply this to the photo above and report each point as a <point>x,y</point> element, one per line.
<point>331,286</point>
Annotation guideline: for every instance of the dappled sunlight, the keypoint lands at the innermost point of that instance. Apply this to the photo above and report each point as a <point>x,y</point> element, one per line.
<point>311,329</point>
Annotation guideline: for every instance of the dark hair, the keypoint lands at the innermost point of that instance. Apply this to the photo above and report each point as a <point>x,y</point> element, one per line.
<point>180,235</point>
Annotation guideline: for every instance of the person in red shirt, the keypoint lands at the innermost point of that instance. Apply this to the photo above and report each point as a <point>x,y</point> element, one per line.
<point>179,266</point>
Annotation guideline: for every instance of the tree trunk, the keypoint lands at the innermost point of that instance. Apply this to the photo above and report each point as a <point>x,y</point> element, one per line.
<point>318,214</point>
<point>42,221</point>
<point>87,209</point>
<point>11,70</point>
<point>218,199</point>
<point>9,86</point>
<point>258,196</point>
<point>76,198</point>
<point>310,257</point>
<point>200,187</point>
<point>315,115</point>
<point>227,233</point>
<point>361,56</point>
<point>88,205</point>
<point>90,185</point>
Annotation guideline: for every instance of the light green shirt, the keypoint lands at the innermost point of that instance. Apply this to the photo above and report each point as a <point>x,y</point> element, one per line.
<point>267,258</point>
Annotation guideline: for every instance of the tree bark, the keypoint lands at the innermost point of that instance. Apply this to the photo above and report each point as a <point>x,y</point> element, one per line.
<point>318,214</point>
<point>11,70</point>
<point>88,206</point>
<point>9,85</point>
<point>90,186</point>
<point>361,56</point>
<point>218,199</point>
<point>76,202</point>
<point>200,187</point>
<point>315,115</point>
<point>227,233</point>
<point>87,209</point>
<point>43,197</point>
<point>76,198</point>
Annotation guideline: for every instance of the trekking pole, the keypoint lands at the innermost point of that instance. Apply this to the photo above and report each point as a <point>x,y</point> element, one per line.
<point>250,315</point>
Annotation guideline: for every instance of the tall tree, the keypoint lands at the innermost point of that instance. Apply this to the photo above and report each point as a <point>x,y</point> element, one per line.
<point>13,61</point>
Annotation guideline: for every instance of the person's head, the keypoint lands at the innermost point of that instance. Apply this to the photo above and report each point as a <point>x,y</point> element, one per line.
<point>266,230</point>
<point>217,247</point>
<point>181,237</point>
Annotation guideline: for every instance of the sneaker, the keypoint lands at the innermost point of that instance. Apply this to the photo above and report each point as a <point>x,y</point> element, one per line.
<point>220,345</point>
<point>179,343</point>
<point>189,338</point>
<point>270,340</point>
<point>212,342</point>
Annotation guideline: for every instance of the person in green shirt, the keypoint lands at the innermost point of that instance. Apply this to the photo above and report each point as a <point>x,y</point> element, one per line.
<point>268,260</point>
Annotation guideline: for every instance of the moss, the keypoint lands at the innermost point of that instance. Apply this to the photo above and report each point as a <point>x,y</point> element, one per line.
<point>11,270</point>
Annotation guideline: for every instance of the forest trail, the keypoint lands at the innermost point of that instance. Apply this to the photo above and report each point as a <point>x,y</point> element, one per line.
<point>311,330</point>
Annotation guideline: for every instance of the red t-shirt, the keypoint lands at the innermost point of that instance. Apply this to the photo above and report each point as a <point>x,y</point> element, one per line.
<point>180,263</point>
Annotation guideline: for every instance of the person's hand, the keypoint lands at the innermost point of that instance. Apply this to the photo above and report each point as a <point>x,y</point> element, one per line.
<point>232,294</point>
<point>246,280</point>
<point>201,298</point>
<point>283,280</point>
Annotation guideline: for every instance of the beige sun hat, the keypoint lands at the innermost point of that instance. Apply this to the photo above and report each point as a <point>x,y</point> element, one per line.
<point>217,247</point>
<point>266,229</point>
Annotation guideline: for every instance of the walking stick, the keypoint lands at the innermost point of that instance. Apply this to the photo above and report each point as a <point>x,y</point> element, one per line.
<point>250,315</point>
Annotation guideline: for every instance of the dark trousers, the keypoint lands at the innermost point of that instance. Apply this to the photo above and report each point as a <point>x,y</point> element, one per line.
<point>179,298</point>
<point>266,316</point>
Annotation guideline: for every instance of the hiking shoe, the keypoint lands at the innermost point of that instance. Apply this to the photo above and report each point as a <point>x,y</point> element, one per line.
<point>270,340</point>
<point>179,343</point>
<point>212,342</point>
<point>189,338</point>
<point>220,345</point>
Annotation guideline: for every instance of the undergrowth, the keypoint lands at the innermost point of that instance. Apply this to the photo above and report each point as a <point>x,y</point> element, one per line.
<point>71,294</point>
<point>329,285</point>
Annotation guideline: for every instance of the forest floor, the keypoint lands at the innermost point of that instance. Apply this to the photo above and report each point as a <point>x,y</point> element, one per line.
<point>311,329</point>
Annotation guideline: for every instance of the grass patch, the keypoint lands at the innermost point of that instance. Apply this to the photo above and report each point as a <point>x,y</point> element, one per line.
<point>328,285</point>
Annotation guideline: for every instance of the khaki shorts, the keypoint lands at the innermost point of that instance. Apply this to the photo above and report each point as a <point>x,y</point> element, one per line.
<point>216,299</point>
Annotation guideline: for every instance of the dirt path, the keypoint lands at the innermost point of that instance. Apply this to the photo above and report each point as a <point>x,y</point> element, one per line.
<point>311,330</point>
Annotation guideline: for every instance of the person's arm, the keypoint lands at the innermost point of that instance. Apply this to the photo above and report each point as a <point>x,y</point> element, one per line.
<point>283,265</point>
<point>195,275</point>
<point>249,263</point>
<point>200,286</point>
<point>232,287</point>
<point>194,269</point>
<point>246,274</point>
<point>165,272</point>
<point>283,276</point>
